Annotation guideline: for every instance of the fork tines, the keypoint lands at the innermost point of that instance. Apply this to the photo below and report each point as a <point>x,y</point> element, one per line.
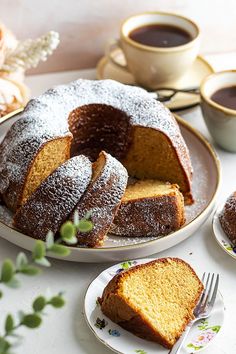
<point>210,290</point>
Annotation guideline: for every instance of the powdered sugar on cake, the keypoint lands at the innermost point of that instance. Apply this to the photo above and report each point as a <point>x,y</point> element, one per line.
<point>102,198</point>
<point>51,204</point>
<point>227,218</point>
<point>46,118</point>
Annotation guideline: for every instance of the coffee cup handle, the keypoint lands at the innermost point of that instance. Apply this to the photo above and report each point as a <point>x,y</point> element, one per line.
<point>115,44</point>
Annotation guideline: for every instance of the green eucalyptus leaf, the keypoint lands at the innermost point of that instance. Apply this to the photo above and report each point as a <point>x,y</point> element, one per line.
<point>43,262</point>
<point>39,303</point>
<point>1,294</point>
<point>21,260</point>
<point>8,271</point>
<point>49,239</point>
<point>57,301</point>
<point>30,270</point>
<point>67,230</point>
<point>39,250</point>
<point>85,225</point>
<point>72,241</point>
<point>9,324</point>
<point>4,345</point>
<point>60,250</point>
<point>14,283</point>
<point>32,320</point>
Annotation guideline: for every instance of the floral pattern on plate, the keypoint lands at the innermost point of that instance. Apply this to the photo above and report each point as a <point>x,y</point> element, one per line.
<point>123,266</point>
<point>205,335</point>
<point>228,246</point>
<point>124,342</point>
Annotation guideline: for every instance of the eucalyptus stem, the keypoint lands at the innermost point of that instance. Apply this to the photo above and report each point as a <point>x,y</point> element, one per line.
<point>42,249</point>
<point>25,266</point>
<point>30,320</point>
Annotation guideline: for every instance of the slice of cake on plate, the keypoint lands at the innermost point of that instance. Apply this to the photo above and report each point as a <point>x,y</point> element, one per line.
<point>154,301</point>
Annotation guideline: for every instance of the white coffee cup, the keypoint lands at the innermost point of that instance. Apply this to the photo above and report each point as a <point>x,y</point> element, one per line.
<point>153,67</point>
<point>220,120</point>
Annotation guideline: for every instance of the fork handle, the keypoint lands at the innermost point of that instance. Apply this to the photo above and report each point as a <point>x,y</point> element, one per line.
<point>178,345</point>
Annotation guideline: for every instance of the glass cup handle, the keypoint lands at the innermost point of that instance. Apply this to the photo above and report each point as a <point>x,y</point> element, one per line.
<point>112,45</point>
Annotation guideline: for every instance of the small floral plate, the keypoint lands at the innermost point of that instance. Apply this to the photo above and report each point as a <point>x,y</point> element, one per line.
<point>124,342</point>
<point>220,235</point>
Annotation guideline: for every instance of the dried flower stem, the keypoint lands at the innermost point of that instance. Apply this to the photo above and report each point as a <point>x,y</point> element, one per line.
<point>28,53</point>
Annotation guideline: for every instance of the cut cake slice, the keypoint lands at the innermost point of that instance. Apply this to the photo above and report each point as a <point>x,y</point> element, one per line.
<point>149,208</point>
<point>155,301</point>
<point>102,198</point>
<point>53,201</point>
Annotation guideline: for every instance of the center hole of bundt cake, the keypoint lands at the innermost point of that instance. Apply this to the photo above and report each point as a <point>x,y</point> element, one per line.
<point>97,127</point>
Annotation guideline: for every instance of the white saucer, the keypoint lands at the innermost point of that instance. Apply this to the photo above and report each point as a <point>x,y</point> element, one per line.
<point>124,342</point>
<point>220,235</point>
<point>193,77</point>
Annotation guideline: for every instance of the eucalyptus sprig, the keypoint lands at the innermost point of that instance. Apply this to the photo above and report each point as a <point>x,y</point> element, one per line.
<point>29,266</point>
<point>24,265</point>
<point>30,320</point>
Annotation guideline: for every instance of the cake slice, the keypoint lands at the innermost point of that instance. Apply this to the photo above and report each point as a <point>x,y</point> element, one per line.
<point>154,301</point>
<point>53,201</point>
<point>149,208</point>
<point>227,218</point>
<point>102,198</point>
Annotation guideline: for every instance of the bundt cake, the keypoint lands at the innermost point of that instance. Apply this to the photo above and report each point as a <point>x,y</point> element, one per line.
<point>53,201</point>
<point>85,117</point>
<point>149,208</point>
<point>154,301</point>
<point>228,218</point>
<point>102,198</point>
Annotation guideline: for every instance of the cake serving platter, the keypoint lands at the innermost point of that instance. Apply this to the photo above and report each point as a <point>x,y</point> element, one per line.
<point>123,342</point>
<point>206,183</point>
<point>220,236</point>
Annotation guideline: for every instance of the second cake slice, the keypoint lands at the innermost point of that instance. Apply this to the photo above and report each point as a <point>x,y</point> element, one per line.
<point>149,208</point>
<point>102,198</point>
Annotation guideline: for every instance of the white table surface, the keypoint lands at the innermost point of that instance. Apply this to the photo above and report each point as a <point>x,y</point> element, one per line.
<point>65,330</point>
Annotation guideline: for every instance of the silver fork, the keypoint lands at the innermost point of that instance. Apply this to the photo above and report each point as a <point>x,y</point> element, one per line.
<point>203,308</point>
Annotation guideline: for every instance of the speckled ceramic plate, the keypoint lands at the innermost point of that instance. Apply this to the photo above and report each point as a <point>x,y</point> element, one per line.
<point>220,235</point>
<point>206,181</point>
<point>121,341</point>
<point>192,78</point>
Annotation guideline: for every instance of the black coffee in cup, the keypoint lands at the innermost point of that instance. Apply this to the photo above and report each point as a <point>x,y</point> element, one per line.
<point>226,97</point>
<point>160,35</point>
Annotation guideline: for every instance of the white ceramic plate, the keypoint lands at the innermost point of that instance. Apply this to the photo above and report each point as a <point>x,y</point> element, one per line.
<point>206,181</point>
<point>121,341</point>
<point>220,235</point>
<point>192,78</point>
